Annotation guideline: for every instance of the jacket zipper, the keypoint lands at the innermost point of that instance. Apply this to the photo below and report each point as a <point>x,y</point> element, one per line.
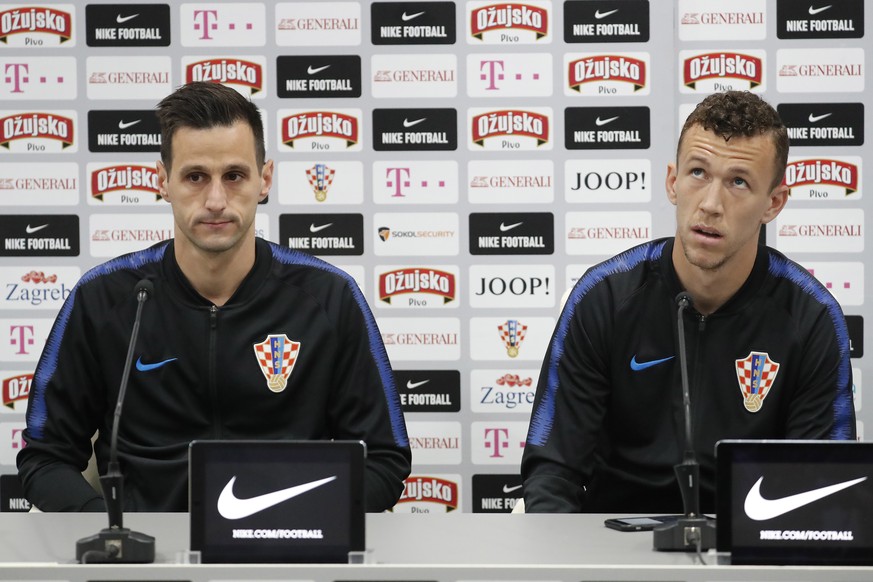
<point>213,387</point>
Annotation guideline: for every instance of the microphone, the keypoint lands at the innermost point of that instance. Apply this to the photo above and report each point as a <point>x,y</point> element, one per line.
<point>691,531</point>
<point>118,544</point>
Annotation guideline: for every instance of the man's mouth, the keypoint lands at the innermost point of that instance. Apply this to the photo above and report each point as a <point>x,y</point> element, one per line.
<point>706,231</point>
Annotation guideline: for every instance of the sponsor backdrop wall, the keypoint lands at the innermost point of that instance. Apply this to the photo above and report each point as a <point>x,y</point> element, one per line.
<point>465,161</point>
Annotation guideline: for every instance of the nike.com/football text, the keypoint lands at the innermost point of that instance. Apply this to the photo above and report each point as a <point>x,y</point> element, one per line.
<point>279,534</point>
<point>805,535</point>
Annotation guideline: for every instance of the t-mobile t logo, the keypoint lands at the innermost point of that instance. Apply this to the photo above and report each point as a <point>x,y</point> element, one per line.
<point>21,337</point>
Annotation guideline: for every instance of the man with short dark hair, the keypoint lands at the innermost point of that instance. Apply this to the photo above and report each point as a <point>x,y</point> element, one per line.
<point>243,339</point>
<point>768,347</point>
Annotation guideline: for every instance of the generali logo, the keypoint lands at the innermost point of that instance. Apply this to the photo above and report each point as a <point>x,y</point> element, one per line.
<point>320,130</point>
<point>820,231</point>
<point>37,132</point>
<point>721,71</point>
<point>824,178</point>
<point>511,129</point>
<point>318,23</point>
<point>36,26</point>
<point>708,21</point>
<point>245,75</point>
<point>820,70</point>
<point>509,22</point>
<point>607,74</point>
<point>124,183</point>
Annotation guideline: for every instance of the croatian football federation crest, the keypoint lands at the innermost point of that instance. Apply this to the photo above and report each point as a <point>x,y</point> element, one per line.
<point>512,333</point>
<point>756,374</point>
<point>320,178</point>
<point>276,356</point>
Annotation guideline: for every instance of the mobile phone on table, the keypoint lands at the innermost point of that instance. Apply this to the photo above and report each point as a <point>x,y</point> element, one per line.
<point>639,523</point>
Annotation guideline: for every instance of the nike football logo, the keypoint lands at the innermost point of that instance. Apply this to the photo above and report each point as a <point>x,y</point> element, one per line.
<point>407,17</point>
<point>814,118</point>
<point>407,123</point>
<point>759,509</point>
<point>122,19</point>
<point>149,367</point>
<point>232,507</point>
<point>126,124</point>
<point>32,229</point>
<point>814,11</point>
<point>313,228</point>
<point>413,385</point>
<point>598,15</point>
<point>505,227</point>
<point>637,366</point>
<point>508,489</point>
<point>598,122</point>
<point>312,70</point>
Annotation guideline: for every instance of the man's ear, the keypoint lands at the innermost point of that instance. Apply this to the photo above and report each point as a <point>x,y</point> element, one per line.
<point>266,180</point>
<point>778,199</point>
<point>163,178</point>
<point>670,183</point>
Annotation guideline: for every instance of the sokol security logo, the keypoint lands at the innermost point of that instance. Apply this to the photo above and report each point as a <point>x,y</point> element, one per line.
<point>319,76</point>
<point>415,130</point>
<point>429,390</point>
<point>512,233</point>
<point>823,124</point>
<point>323,234</point>
<point>606,21</point>
<point>412,23</point>
<point>126,130</point>
<point>588,128</point>
<point>832,19</point>
<point>127,24</point>
<point>36,26</point>
<point>245,74</point>
<point>46,235</point>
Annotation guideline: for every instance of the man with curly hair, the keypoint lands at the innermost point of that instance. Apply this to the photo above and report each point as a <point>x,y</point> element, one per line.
<point>767,345</point>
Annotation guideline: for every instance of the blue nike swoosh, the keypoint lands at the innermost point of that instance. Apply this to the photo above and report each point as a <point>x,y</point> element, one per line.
<point>637,366</point>
<point>148,367</point>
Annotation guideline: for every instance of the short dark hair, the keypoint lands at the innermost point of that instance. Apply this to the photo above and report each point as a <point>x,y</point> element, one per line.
<point>745,114</point>
<point>201,105</point>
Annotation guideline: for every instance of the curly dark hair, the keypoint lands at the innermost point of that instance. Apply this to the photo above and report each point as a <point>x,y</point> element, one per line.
<point>201,105</point>
<point>744,114</point>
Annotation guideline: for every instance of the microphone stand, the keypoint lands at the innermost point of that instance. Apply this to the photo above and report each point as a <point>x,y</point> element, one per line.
<point>118,544</point>
<point>691,531</point>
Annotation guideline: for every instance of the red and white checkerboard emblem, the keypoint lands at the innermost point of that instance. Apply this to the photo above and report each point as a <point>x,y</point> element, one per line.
<point>756,374</point>
<point>277,355</point>
<point>512,334</point>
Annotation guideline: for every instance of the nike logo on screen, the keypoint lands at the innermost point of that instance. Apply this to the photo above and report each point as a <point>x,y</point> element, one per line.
<point>637,366</point>
<point>126,124</point>
<point>312,70</point>
<point>407,17</point>
<point>814,11</point>
<point>32,229</point>
<point>232,507</point>
<point>814,118</point>
<point>598,122</point>
<point>313,228</point>
<point>413,385</point>
<point>598,15</point>
<point>142,367</point>
<point>759,509</point>
<point>122,19</point>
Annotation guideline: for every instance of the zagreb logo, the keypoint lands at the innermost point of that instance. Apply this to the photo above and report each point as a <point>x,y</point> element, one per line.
<point>16,389</point>
<point>318,125</point>
<point>607,68</point>
<point>320,177</point>
<point>722,65</point>
<point>415,281</point>
<point>507,20</point>
<point>277,355</point>
<point>756,374</point>
<point>29,127</point>
<point>125,179</point>
<point>512,333</point>
<point>510,123</point>
<point>822,172</point>
<point>228,71</point>
<point>37,19</point>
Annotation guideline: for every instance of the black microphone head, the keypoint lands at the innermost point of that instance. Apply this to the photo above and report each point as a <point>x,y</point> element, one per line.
<point>684,299</point>
<point>144,286</point>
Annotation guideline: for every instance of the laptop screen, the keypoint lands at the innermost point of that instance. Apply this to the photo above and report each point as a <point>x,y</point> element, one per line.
<point>795,502</point>
<point>276,501</point>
